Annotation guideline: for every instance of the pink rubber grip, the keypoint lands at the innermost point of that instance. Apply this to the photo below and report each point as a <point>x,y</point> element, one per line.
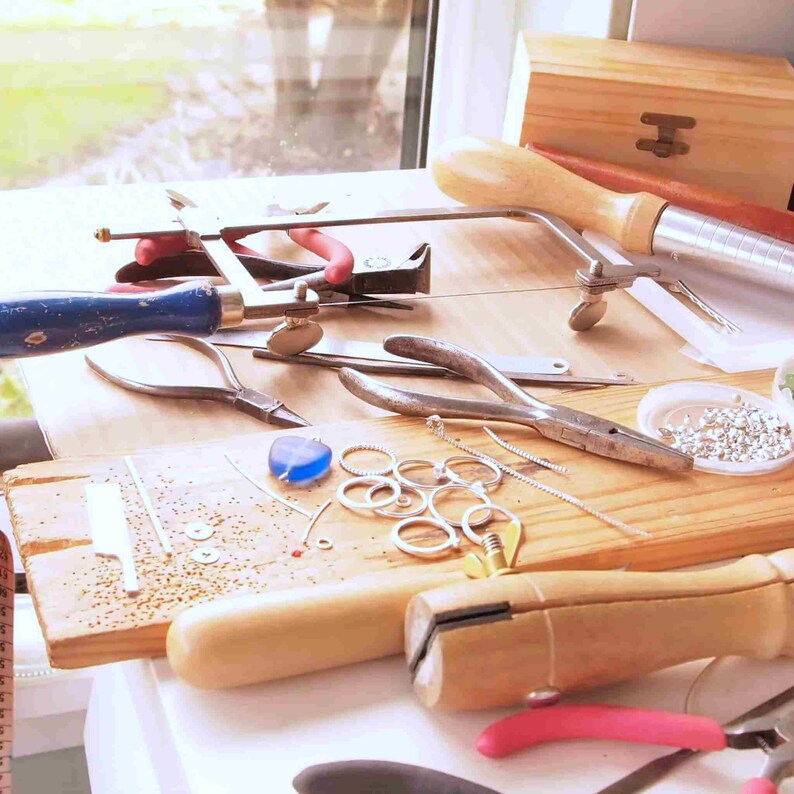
<point>759,785</point>
<point>337,254</point>
<point>584,721</point>
<point>148,249</point>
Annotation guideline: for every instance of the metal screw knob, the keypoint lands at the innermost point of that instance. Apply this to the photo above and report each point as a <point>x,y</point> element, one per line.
<point>300,289</point>
<point>545,696</point>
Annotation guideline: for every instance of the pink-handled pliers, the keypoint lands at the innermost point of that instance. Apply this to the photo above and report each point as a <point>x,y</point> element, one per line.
<point>585,721</point>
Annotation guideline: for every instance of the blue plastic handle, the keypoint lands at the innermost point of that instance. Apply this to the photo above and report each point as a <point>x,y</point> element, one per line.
<point>34,323</point>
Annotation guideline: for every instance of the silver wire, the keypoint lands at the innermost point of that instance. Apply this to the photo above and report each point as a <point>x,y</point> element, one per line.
<point>417,298</point>
<point>547,464</point>
<point>262,487</point>
<point>436,426</point>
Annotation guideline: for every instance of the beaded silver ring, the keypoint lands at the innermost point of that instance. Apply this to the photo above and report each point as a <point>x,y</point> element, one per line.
<point>367,448</point>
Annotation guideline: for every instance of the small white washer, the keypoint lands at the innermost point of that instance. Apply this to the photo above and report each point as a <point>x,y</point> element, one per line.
<point>197,530</point>
<point>205,555</point>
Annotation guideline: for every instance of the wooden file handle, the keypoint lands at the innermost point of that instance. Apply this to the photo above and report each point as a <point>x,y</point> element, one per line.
<point>485,171</point>
<point>705,200</point>
<point>580,629</point>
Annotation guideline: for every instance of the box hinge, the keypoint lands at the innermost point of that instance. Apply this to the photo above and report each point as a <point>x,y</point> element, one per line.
<point>665,143</point>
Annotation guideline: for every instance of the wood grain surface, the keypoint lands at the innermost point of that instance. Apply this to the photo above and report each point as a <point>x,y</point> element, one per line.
<point>498,286</point>
<point>87,619</point>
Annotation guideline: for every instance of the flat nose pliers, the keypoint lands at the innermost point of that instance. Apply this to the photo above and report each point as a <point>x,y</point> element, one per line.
<point>558,423</point>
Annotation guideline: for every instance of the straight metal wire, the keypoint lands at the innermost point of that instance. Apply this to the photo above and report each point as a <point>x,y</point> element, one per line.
<point>547,464</point>
<point>417,298</point>
<point>436,427</point>
<point>262,487</point>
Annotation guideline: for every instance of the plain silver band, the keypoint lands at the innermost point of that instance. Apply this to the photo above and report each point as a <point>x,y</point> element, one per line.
<point>374,479</point>
<point>453,541</point>
<point>403,480</point>
<point>454,477</point>
<point>466,526</point>
<point>416,511</point>
<point>486,502</point>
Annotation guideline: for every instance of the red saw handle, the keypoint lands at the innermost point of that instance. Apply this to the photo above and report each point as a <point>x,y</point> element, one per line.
<point>585,721</point>
<point>338,256</point>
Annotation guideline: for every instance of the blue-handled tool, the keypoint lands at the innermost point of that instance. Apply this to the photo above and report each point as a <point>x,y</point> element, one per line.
<point>48,322</point>
<point>32,323</point>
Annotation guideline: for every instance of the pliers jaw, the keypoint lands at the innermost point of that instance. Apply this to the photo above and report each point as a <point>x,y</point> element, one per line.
<point>609,439</point>
<point>774,736</point>
<point>383,275</point>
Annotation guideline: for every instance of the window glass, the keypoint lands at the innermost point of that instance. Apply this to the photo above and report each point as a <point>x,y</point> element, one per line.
<point>153,90</point>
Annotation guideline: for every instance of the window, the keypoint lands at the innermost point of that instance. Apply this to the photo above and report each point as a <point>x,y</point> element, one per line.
<point>158,90</point>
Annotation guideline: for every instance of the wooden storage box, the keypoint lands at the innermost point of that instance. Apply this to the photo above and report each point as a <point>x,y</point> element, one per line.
<point>589,96</point>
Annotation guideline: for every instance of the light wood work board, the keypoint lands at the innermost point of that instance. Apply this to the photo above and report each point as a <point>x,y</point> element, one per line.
<point>87,619</point>
<point>490,263</point>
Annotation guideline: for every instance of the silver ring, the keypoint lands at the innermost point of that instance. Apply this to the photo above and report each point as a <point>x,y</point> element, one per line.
<point>415,511</point>
<point>452,541</point>
<point>480,494</point>
<point>367,448</point>
<point>438,473</point>
<point>452,476</point>
<point>373,479</point>
<point>467,526</point>
<point>324,543</point>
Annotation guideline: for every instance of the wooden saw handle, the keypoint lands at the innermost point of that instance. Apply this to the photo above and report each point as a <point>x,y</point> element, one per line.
<point>484,171</point>
<point>580,629</point>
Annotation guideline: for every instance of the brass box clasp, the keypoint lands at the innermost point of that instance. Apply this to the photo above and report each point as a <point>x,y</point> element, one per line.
<point>665,143</point>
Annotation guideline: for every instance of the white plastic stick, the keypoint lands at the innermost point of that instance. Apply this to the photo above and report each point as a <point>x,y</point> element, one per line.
<point>147,503</point>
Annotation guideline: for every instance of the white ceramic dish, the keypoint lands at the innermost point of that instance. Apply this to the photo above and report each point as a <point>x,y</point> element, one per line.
<point>669,404</point>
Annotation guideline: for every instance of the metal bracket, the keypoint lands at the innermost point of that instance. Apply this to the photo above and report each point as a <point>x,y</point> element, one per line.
<point>665,143</point>
<point>595,283</point>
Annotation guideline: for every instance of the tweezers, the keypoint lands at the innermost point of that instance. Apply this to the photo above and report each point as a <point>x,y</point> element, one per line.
<point>255,403</point>
<point>558,423</point>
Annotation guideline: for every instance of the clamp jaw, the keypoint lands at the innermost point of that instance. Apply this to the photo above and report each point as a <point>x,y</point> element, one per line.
<point>598,279</point>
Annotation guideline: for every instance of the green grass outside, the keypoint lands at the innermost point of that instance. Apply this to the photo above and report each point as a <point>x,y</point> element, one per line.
<point>13,399</point>
<point>51,111</point>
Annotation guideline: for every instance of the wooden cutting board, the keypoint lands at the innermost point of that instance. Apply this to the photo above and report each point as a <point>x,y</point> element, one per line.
<point>87,619</point>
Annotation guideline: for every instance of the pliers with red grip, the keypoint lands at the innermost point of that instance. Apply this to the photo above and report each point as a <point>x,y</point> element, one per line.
<point>643,726</point>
